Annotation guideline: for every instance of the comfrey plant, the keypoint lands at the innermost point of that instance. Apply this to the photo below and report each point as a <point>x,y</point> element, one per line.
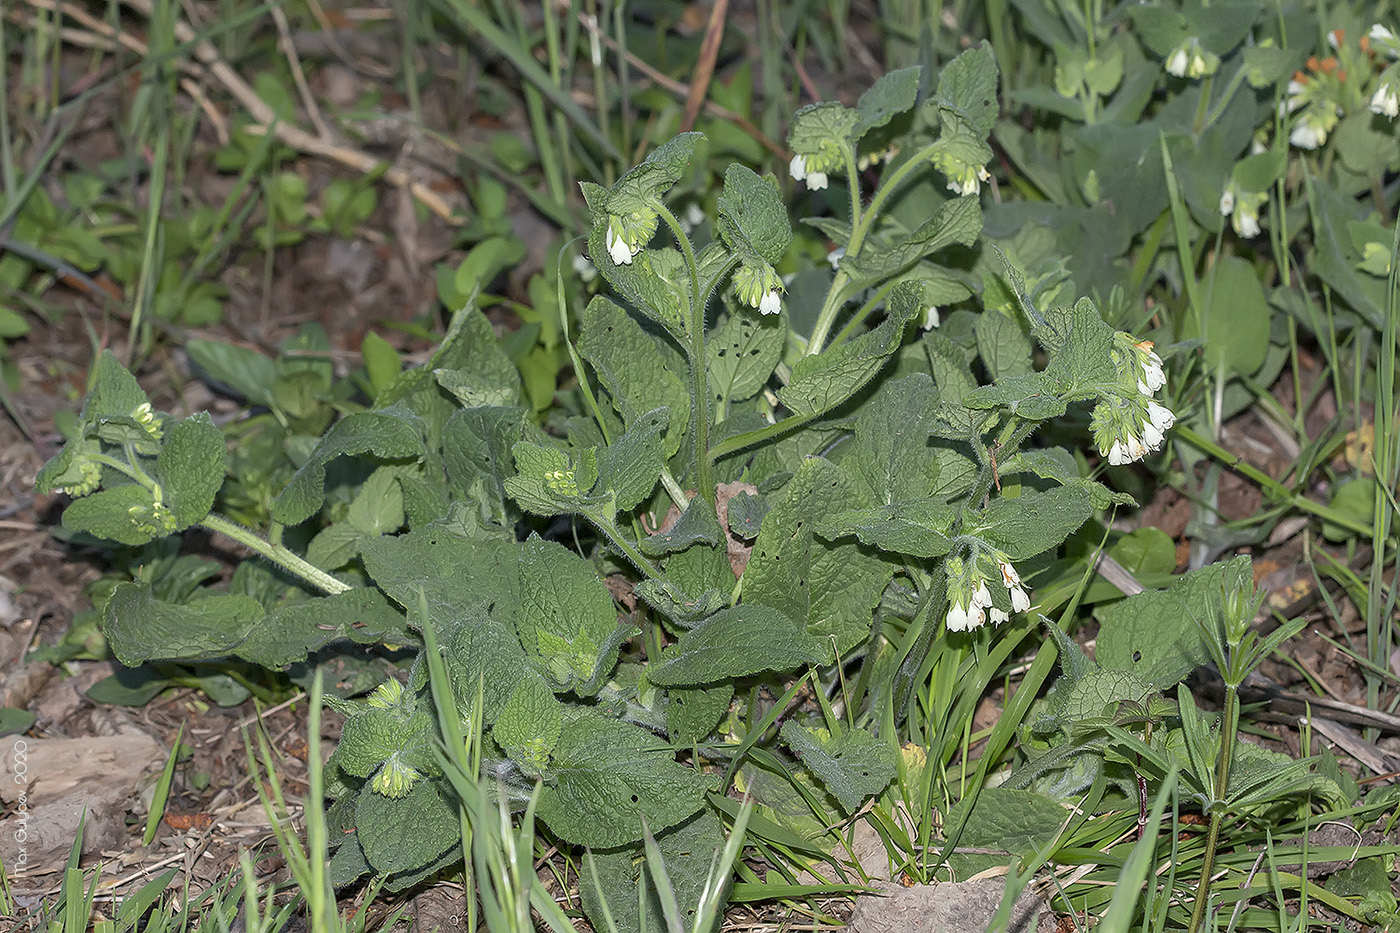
<point>815,472</point>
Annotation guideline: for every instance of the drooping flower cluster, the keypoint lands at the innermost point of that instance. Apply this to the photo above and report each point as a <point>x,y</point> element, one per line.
<point>971,603</point>
<point>1191,60</point>
<point>1386,99</point>
<point>628,233</point>
<point>963,178</point>
<point>812,167</point>
<point>759,286</point>
<point>1242,207</point>
<point>1129,426</point>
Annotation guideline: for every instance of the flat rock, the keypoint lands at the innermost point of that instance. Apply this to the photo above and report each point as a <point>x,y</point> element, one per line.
<point>54,784</point>
<point>949,907</point>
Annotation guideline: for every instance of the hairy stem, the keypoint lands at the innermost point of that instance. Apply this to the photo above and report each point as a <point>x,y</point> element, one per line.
<point>695,350</point>
<point>276,553</point>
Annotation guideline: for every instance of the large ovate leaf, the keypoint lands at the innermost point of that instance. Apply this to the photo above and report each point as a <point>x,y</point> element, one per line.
<point>693,712</point>
<point>735,642</point>
<point>289,634</point>
<point>242,369</point>
<point>829,587</point>
<point>1156,634</point>
<point>968,86</point>
<point>115,393</point>
<point>607,776</point>
<point>633,368</point>
<point>386,434</point>
<point>956,221</point>
<point>819,383</point>
<point>141,628</point>
<point>124,514</point>
<point>1032,523</point>
<point>567,622</point>
<point>752,220</point>
<point>405,834</point>
<point>892,431</point>
<point>530,723</point>
<point>852,766</point>
<point>892,94</point>
<point>476,451</point>
<point>460,577</point>
<point>917,527</point>
<point>190,467</point>
<point>1235,338</point>
<point>630,467</point>
<point>741,354</point>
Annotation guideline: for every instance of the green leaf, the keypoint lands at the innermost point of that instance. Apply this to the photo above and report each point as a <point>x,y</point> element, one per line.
<point>892,430</point>
<point>244,370</point>
<point>917,527</point>
<point>479,650</point>
<point>1082,345</point>
<point>15,721</point>
<point>1020,822</point>
<point>607,776</point>
<point>1161,29</point>
<point>817,126</point>
<point>698,524</point>
<point>386,434</point>
<point>289,634</point>
<point>630,467</point>
<point>632,367</point>
<point>476,451</point>
<point>1033,523</point>
<point>567,622</point>
<point>646,182</point>
<point>819,383</point>
<point>373,734</point>
<point>548,483</point>
<point>404,834</point>
<point>530,723</point>
<point>1003,345</point>
<point>968,86</point>
<point>746,639</point>
<point>191,466</point>
<point>656,282</point>
<point>1095,695</point>
<point>688,852</point>
<point>1157,634</point>
<point>1033,396</point>
<point>1222,26</point>
<point>382,362</point>
<point>956,221</point>
<point>1236,336</point>
<point>893,93</point>
<point>1335,259</point>
<point>461,577</point>
<point>377,508</point>
<point>852,766</point>
<point>746,512</point>
<point>141,628</point>
<point>829,588</point>
<point>693,712</point>
<point>115,392</point>
<point>335,545</point>
<point>115,514</point>
<point>469,346</point>
<point>752,219</point>
<point>741,354</point>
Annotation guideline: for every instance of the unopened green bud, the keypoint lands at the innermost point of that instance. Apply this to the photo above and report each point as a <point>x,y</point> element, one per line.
<point>91,478</point>
<point>561,482</point>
